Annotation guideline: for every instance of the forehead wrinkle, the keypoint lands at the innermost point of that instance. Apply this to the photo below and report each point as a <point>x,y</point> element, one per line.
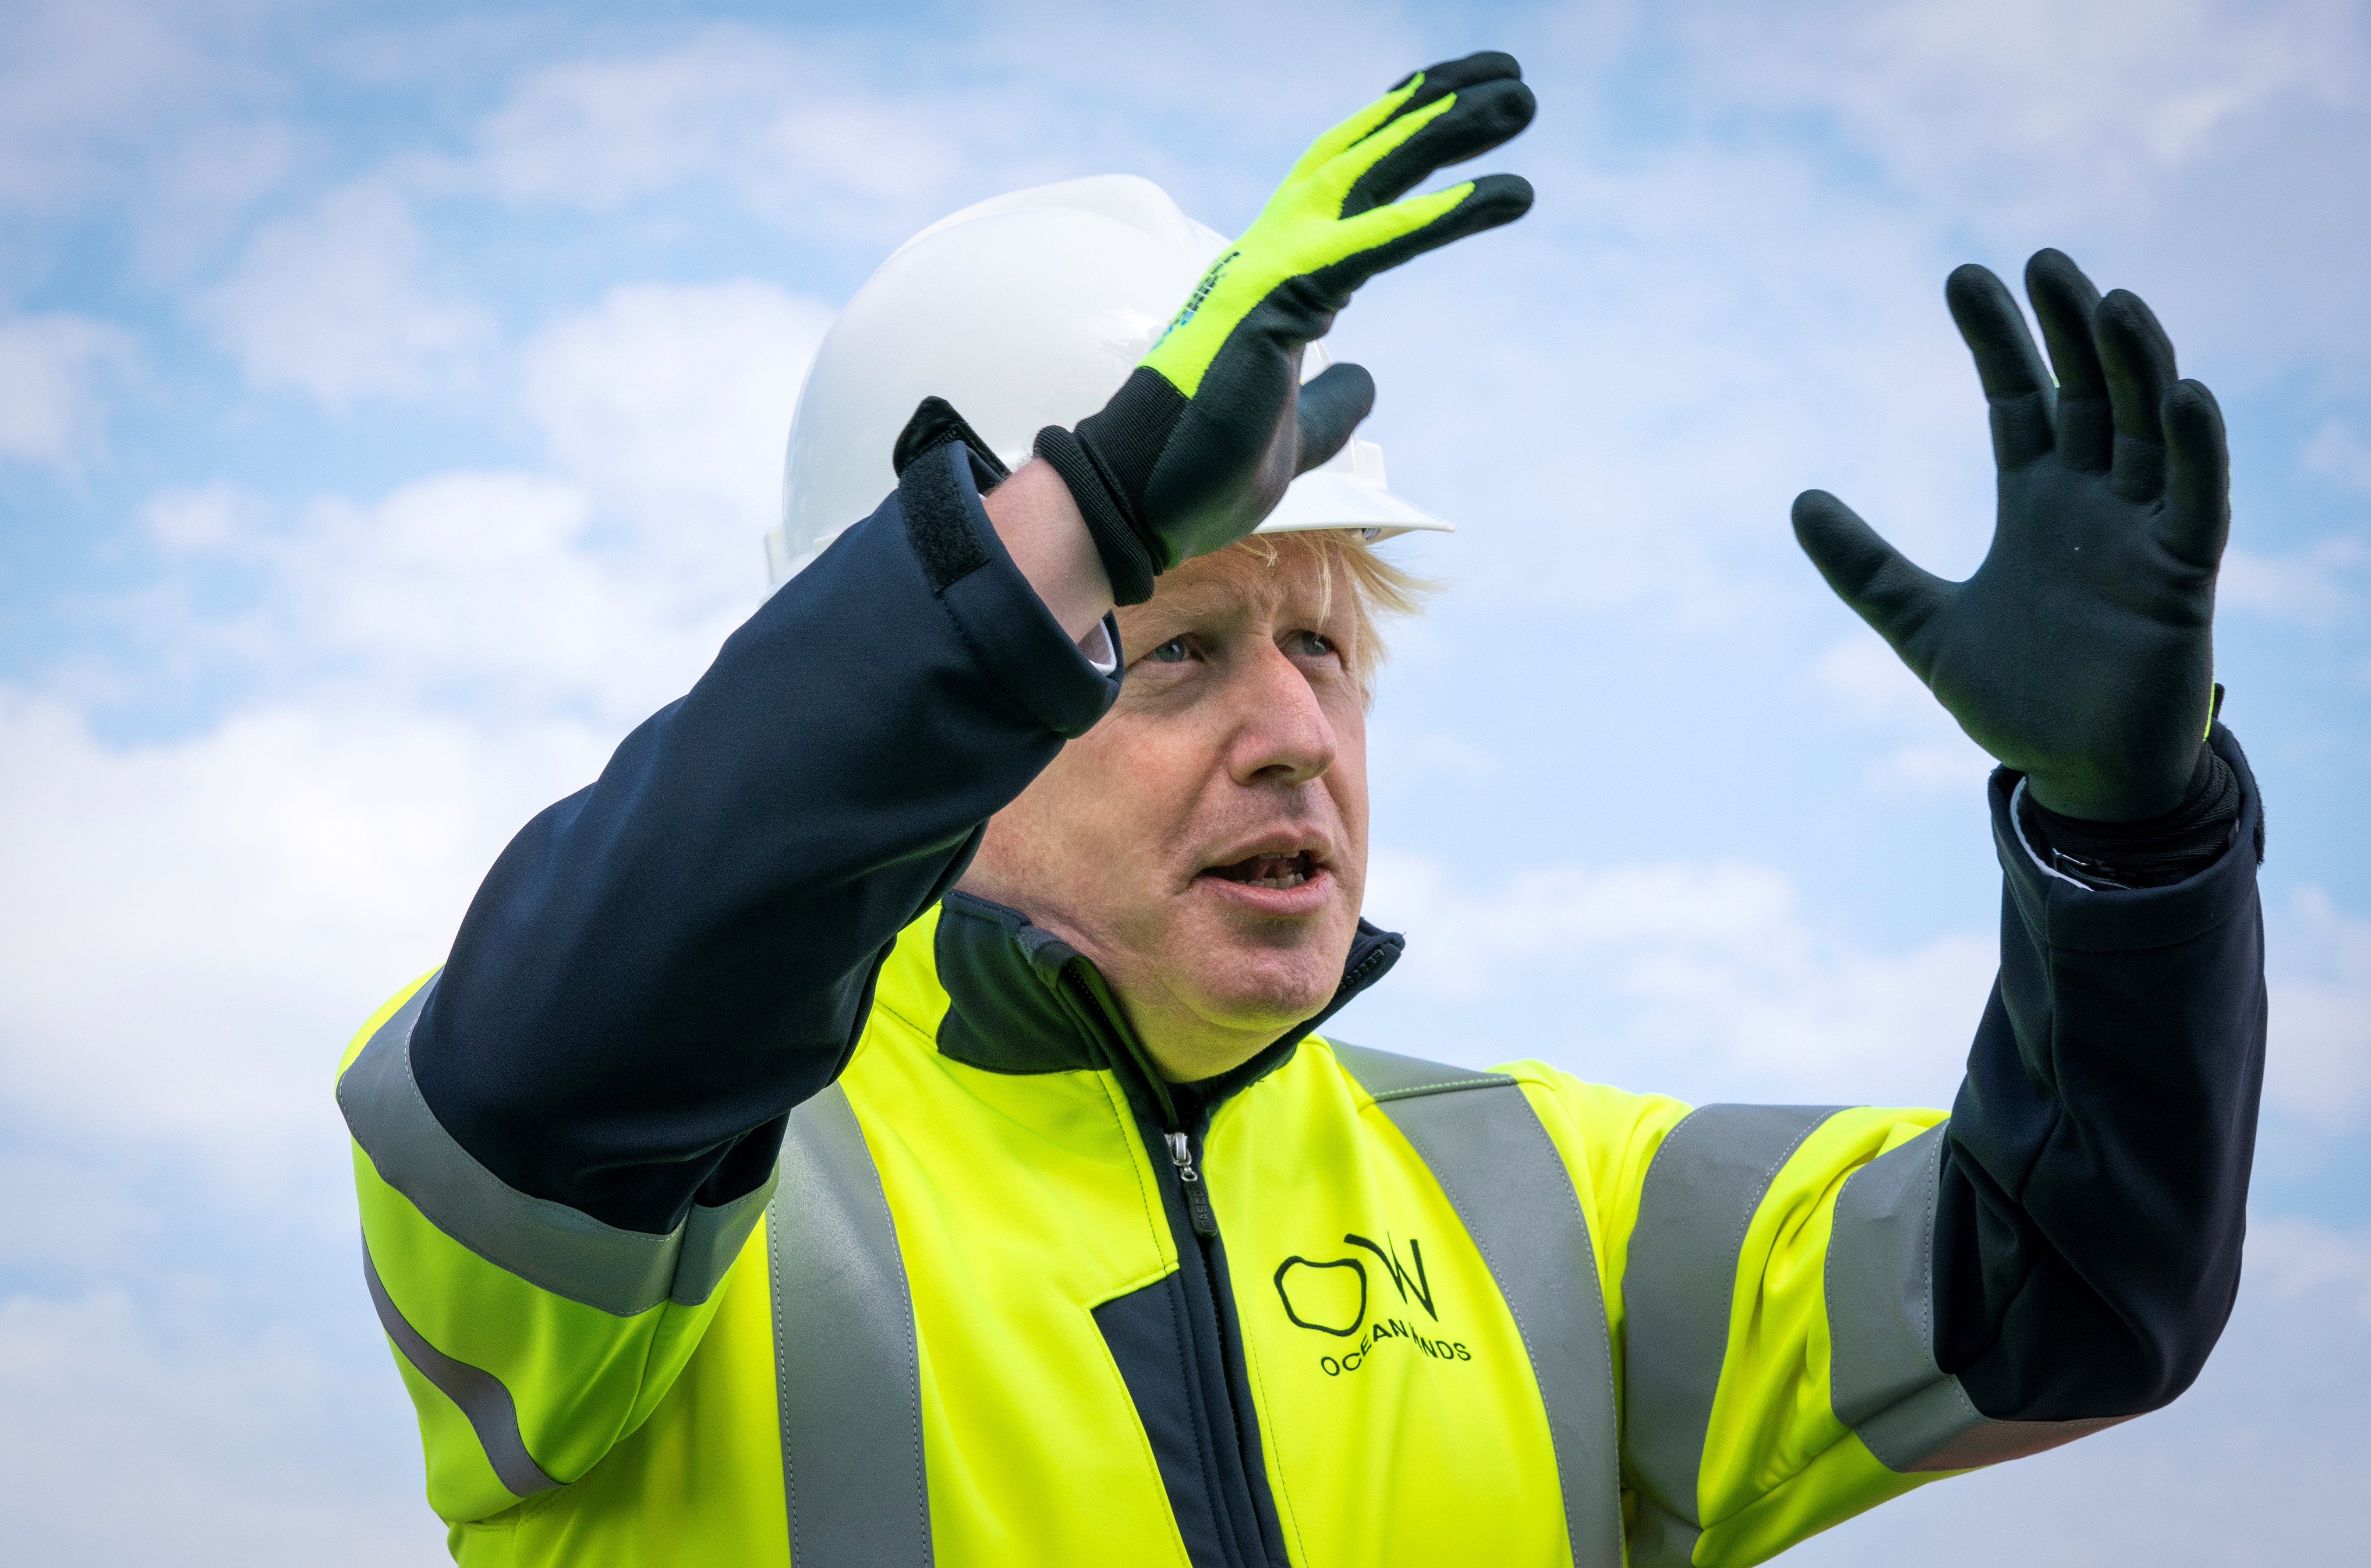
<point>1236,591</point>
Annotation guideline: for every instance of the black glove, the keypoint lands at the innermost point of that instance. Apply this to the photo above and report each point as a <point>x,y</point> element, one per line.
<point>1198,446</point>
<point>2081,653</point>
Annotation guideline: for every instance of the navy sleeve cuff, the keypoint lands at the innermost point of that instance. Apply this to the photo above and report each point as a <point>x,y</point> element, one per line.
<point>2067,914</point>
<point>997,613</point>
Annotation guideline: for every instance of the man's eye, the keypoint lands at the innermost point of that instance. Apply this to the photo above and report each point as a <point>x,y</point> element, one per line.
<point>1312,644</point>
<point>1170,652</point>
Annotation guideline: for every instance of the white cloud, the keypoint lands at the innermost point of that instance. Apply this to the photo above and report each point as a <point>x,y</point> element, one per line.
<point>1441,752</point>
<point>1989,97</point>
<point>487,596</point>
<point>2337,455</point>
<point>1872,682</point>
<point>789,129</point>
<point>1723,975</point>
<point>1618,397</point>
<point>481,591</point>
<point>2293,1258</point>
<point>847,135</point>
<point>199,924</point>
<point>2319,1066</point>
<point>204,181</point>
<point>1715,973</point>
<point>70,1214</point>
<point>54,371</point>
<point>158,116</point>
<point>1873,685</point>
<point>192,1427</point>
<point>2204,152</point>
<point>2315,587</point>
<point>196,929</point>
<point>75,74</point>
<point>661,398</point>
<point>328,302</point>
<point>211,517</point>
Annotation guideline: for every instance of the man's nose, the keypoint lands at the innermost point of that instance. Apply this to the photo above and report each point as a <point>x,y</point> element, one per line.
<point>1282,734</point>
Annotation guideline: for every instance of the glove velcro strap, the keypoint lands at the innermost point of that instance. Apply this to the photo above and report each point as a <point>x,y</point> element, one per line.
<point>1127,561</point>
<point>936,422</point>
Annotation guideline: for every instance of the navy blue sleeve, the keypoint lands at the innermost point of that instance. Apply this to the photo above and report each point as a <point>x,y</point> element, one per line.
<point>660,966</point>
<point>2095,1184</point>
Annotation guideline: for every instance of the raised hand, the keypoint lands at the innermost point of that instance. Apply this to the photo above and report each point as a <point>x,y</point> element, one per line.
<point>1199,444</point>
<point>2081,651</point>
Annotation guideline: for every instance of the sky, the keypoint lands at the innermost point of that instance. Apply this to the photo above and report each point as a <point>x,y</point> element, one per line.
<point>392,400</point>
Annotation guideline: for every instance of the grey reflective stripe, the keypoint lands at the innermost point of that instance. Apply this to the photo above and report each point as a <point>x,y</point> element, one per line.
<point>1939,1428</point>
<point>1700,1193</point>
<point>847,1375</point>
<point>1880,1281</point>
<point>1386,1077</point>
<point>1502,1174</point>
<point>561,1250</point>
<point>1659,1538</point>
<point>711,1242</point>
<point>1884,1380</point>
<point>479,1393</point>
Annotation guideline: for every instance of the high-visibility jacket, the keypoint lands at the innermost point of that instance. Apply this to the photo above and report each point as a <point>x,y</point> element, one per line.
<point>1017,1350</point>
<point>960,1280</point>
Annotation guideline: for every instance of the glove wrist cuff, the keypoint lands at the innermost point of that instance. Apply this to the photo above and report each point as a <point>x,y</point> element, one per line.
<point>1126,560</point>
<point>2152,853</point>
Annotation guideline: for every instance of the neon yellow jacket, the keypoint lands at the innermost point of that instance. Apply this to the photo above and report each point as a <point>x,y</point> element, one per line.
<point>1396,1412</point>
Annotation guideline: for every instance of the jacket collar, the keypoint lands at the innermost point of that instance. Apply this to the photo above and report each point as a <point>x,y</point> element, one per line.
<point>1022,1000</point>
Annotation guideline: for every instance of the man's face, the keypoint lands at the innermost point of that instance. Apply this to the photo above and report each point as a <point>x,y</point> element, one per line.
<point>1206,844</point>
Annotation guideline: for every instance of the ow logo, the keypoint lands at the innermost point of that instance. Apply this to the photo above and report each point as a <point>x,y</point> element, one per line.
<point>1330,1298</point>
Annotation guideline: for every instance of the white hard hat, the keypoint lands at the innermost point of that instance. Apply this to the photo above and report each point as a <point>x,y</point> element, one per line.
<point>1026,310</point>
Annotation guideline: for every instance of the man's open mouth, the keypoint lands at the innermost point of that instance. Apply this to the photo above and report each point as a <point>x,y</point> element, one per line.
<point>1268,871</point>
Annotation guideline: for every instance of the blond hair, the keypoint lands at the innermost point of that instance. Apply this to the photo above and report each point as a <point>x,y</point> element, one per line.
<point>1260,566</point>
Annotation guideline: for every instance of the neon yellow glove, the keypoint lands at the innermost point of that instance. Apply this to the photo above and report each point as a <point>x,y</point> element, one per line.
<point>1198,446</point>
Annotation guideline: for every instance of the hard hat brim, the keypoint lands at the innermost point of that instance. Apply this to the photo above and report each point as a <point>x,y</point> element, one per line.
<point>1325,499</point>
<point>1336,495</point>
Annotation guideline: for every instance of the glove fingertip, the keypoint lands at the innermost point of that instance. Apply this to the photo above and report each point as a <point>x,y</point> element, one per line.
<point>1815,510</point>
<point>1349,381</point>
<point>2050,270</point>
<point>1500,198</point>
<point>2198,479</point>
<point>1483,65</point>
<point>2190,400</point>
<point>1848,551</point>
<point>1980,305</point>
<point>1877,582</point>
<point>2195,440</point>
<point>1332,407</point>
<point>1972,280</point>
<point>1508,105</point>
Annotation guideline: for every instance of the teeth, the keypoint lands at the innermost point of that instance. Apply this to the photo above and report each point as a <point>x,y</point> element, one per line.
<point>1277,872</point>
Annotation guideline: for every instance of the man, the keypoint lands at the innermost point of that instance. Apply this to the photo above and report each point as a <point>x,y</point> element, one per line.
<point>884,1120</point>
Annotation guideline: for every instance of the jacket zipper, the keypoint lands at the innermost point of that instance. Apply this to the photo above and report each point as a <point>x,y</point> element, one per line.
<point>1197,1197</point>
<point>1180,1141</point>
<point>1200,1216</point>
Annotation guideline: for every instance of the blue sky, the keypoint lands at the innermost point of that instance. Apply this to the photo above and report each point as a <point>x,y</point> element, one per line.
<point>392,398</point>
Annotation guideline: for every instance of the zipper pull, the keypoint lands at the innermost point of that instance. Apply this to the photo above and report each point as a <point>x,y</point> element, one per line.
<point>1198,1199</point>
